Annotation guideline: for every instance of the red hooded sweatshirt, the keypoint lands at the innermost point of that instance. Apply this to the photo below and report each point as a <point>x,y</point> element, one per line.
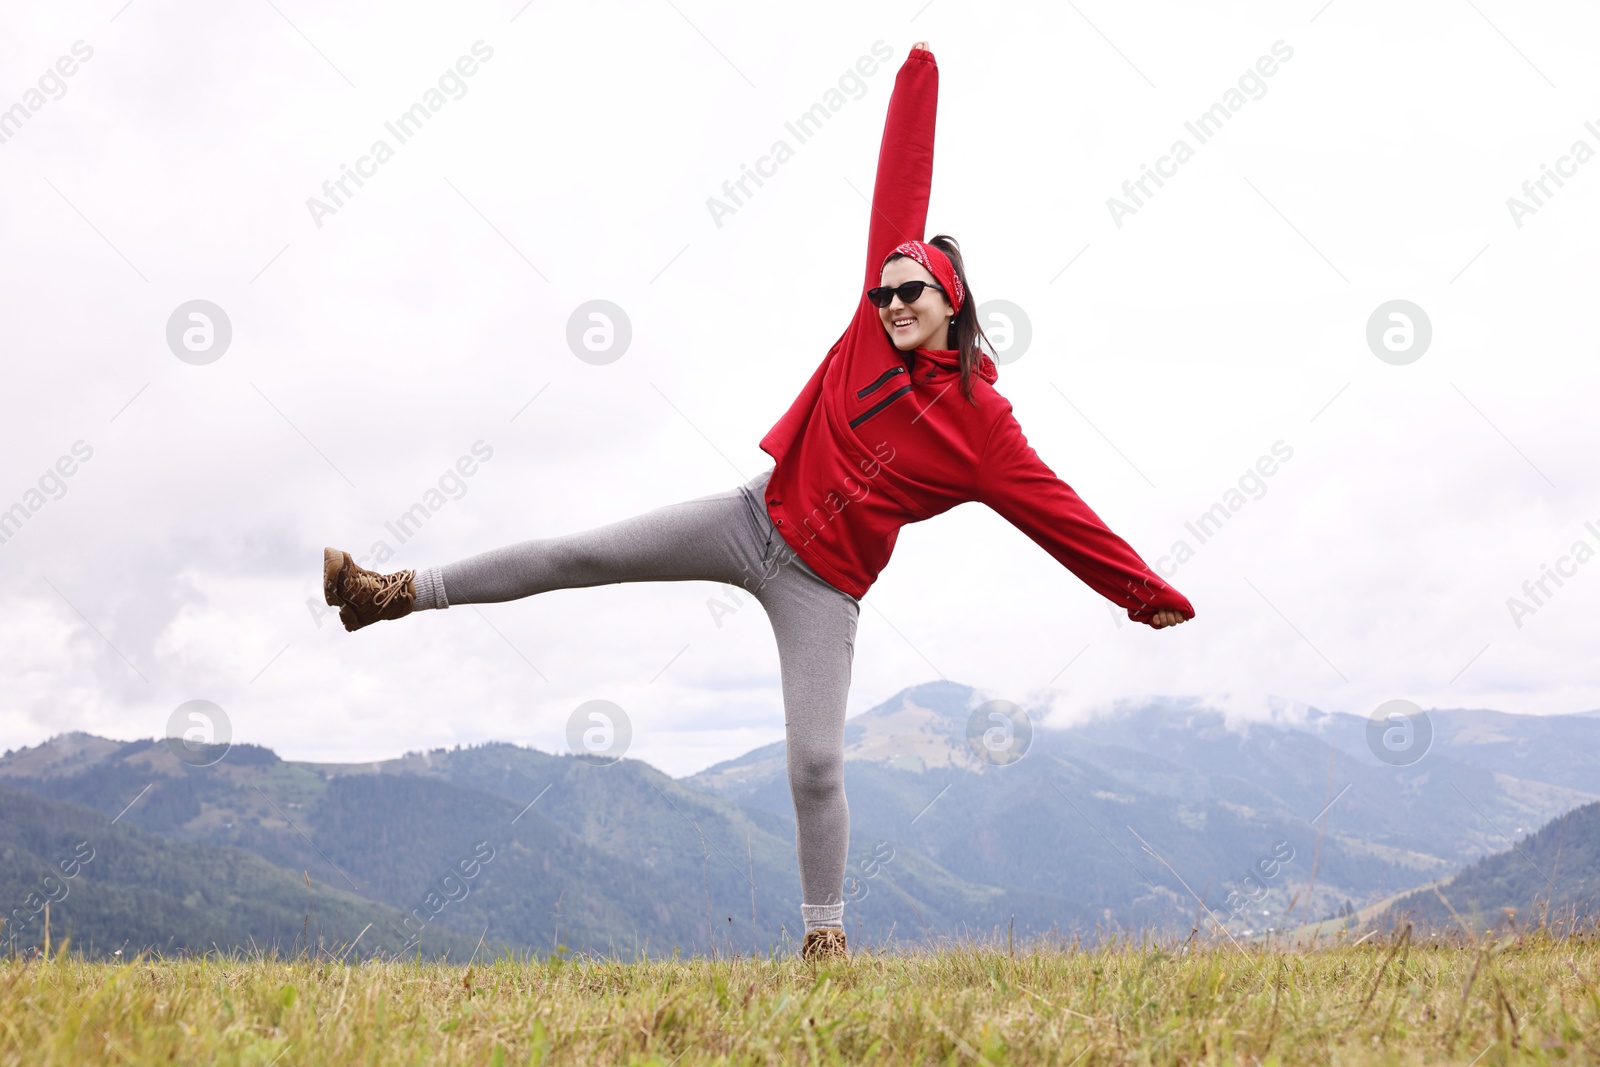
<point>879,438</point>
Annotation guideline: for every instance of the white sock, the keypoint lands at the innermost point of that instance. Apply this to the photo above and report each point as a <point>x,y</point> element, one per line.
<point>429,584</point>
<point>819,916</point>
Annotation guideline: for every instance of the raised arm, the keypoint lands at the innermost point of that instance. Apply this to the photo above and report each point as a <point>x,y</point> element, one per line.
<point>1017,484</point>
<point>905,161</point>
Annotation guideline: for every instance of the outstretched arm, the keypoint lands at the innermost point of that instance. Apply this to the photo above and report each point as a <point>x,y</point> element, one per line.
<point>1017,484</point>
<point>905,161</point>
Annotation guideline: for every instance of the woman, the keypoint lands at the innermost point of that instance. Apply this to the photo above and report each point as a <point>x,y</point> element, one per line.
<point>887,431</point>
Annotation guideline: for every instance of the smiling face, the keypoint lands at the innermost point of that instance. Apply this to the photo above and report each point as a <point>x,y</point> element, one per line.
<point>924,324</point>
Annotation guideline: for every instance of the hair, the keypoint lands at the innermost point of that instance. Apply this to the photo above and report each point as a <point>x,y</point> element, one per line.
<point>964,331</point>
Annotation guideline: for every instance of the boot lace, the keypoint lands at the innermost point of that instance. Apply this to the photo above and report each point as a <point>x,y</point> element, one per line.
<point>824,942</point>
<point>382,587</point>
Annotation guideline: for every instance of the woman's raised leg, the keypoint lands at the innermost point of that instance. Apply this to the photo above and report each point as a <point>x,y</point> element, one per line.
<point>703,539</point>
<point>712,538</point>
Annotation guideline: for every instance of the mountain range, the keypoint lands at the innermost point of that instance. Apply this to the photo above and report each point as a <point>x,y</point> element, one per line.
<point>1158,814</point>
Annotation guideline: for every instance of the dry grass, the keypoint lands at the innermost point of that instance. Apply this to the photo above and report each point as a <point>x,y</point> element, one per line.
<point>1531,999</point>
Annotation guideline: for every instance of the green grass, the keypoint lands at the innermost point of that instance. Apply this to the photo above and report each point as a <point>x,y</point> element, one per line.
<point>1531,999</point>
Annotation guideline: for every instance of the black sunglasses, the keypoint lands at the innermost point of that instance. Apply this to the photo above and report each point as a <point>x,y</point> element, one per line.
<point>908,292</point>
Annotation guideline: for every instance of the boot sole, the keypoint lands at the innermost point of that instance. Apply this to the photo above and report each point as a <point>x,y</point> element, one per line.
<point>332,564</point>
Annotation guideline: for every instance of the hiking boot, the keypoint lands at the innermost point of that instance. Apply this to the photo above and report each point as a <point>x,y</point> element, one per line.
<point>364,597</point>
<point>824,943</point>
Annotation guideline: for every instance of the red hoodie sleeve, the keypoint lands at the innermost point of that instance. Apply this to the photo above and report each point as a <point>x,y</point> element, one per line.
<point>905,163</point>
<point>899,213</point>
<point>1017,484</point>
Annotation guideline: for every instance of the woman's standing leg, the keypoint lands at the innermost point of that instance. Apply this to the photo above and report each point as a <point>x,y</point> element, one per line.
<point>815,626</point>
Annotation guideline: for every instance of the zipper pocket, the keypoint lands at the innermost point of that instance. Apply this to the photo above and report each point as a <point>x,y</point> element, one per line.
<point>880,405</point>
<point>879,380</point>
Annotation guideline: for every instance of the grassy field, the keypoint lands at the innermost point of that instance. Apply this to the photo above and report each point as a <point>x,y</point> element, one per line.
<point>1513,1000</point>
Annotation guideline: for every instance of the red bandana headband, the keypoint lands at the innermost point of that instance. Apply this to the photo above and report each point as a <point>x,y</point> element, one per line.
<point>938,264</point>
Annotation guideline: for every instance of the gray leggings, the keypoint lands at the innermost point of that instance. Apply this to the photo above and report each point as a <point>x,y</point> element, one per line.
<point>723,537</point>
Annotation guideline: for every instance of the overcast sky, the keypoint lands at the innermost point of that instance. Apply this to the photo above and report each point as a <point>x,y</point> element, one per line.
<point>1172,347</point>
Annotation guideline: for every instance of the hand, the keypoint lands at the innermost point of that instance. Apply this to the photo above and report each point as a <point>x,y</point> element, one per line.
<point>921,44</point>
<point>1167,618</point>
